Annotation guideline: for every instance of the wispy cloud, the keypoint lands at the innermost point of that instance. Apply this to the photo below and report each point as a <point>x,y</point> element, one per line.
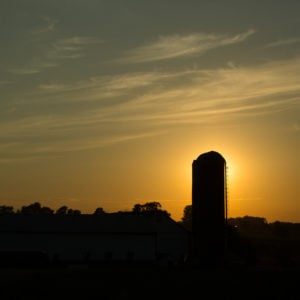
<point>63,49</point>
<point>31,146</point>
<point>47,26</point>
<point>69,48</point>
<point>25,70</point>
<point>167,47</point>
<point>211,95</point>
<point>105,110</point>
<point>187,94</point>
<point>108,83</point>
<point>107,87</point>
<point>284,42</point>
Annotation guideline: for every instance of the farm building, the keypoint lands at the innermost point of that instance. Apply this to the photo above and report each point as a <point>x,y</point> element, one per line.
<point>113,237</point>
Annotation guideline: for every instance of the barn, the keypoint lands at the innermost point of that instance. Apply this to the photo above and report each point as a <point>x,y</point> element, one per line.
<point>109,237</point>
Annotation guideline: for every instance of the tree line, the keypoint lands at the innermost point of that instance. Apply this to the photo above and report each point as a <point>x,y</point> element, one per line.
<point>37,209</point>
<point>243,224</point>
<point>251,226</point>
<point>256,241</point>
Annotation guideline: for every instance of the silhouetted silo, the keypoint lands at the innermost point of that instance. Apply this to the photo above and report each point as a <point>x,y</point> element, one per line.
<point>209,205</point>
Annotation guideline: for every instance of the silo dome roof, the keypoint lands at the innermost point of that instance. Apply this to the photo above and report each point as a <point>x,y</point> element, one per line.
<point>211,155</point>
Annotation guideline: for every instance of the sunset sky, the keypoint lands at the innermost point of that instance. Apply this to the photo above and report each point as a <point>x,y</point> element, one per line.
<point>107,103</point>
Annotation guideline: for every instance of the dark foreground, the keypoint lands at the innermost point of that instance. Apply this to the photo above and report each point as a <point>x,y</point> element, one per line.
<point>149,283</point>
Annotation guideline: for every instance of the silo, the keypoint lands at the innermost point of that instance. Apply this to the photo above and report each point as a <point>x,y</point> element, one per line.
<point>209,205</point>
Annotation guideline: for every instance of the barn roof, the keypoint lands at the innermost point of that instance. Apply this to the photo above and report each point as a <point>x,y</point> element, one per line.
<point>104,223</point>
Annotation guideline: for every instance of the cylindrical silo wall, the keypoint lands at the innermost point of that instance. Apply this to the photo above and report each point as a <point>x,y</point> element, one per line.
<point>208,201</point>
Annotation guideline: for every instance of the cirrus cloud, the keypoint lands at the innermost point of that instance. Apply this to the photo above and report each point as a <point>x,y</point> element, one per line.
<point>173,46</point>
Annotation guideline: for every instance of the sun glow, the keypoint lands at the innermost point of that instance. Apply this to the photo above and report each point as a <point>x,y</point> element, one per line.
<point>230,172</point>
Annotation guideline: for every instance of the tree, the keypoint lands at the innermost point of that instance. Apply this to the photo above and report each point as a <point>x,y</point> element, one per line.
<point>152,206</point>
<point>248,225</point>
<point>137,208</point>
<point>33,208</point>
<point>36,209</point>
<point>4,209</point>
<point>45,210</point>
<point>186,219</point>
<point>149,207</point>
<point>99,211</point>
<point>74,212</point>
<point>62,210</point>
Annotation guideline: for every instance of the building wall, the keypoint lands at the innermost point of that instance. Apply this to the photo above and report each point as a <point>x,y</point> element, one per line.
<point>168,241</point>
<point>79,246</point>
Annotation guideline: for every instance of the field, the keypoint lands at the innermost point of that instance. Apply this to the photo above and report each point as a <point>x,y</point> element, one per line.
<point>149,282</point>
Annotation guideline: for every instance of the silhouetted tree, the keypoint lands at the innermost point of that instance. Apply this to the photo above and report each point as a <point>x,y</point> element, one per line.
<point>186,219</point>
<point>149,207</point>
<point>62,210</point>
<point>99,211</point>
<point>4,209</point>
<point>73,212</point>
<point>152,206</point>
<point>45,210</point>
<point>65,210</point>
<point>250,226</point>
<point>281,229</point>
<point>36,209</point>
<point>33,208</point>
<point>137,208</point>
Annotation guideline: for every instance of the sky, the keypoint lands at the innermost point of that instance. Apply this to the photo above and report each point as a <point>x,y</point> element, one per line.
<point>107,103</point>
